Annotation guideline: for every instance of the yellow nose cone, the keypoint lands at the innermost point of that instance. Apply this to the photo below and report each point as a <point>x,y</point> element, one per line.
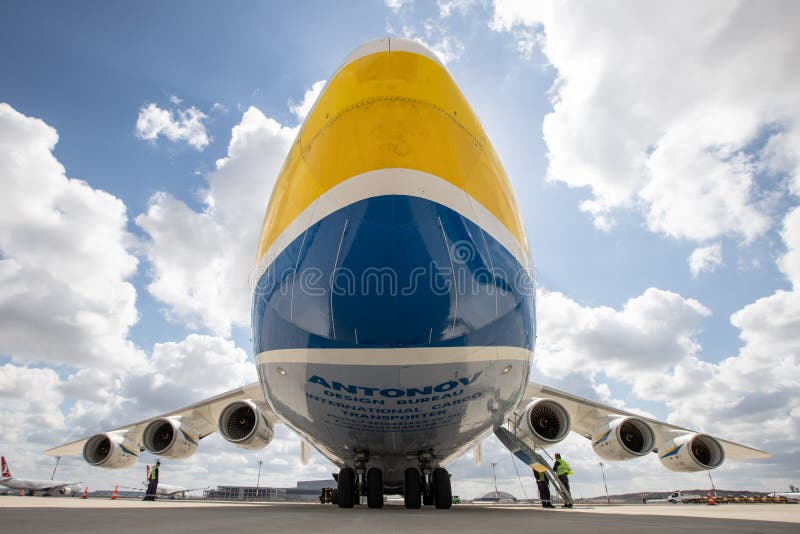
<point>390,105</point>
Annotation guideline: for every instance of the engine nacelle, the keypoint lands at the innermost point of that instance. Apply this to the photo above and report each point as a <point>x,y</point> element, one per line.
<point>623,438</point>
<point>691,452</point>
<point>545,421</point>
<point>243,423</point>
<point>110,450</point>
<point>169,438</point>
<point>65,491</point>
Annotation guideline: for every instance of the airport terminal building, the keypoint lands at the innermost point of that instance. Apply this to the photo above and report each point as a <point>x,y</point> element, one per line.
<point>306,490</point>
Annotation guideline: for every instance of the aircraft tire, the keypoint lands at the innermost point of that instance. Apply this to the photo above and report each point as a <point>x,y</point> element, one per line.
<point>413,494</point>
<point>375,488</point>
<point>442,491</point>
<point>346,487</point>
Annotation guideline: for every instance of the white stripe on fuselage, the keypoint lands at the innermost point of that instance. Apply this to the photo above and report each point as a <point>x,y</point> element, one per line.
<point>396,181</point>
<point>395,356</point>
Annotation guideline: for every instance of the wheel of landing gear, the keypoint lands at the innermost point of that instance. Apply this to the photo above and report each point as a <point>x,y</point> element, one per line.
<point>427,499</point>
<point>413,493</point>
<point>335,496</point>
<point>442,492</point>
<point>346,487</point>
<point>375,488</point>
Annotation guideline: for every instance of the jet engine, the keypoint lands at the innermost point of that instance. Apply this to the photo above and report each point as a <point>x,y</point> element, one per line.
<point>110,450</point>
<point>623,438</point>
<point>170,438</point>
<point>244,424</point>
<point>691,452</point>
<point>65,491</point>
<point>545,421</point>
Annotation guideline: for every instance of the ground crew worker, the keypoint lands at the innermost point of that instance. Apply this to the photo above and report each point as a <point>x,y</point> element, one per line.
<point>562,470</point>
<point>152,483</point>
<point>544,489</point>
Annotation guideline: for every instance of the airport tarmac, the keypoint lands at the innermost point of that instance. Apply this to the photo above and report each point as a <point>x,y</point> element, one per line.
<point>68,515</point>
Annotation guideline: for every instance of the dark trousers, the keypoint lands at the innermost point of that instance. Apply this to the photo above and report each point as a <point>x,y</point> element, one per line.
<point>565,480</point>
<point>152,486</point>
<point>544,493</point>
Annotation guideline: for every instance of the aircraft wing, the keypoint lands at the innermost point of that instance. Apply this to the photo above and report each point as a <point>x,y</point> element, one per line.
<point>201,416</point>
<point>587,415</point>
<point>185,490</point>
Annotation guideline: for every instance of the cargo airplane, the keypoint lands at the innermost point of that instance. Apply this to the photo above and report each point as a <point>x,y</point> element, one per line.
<point>169,491</point>
<point>46,487</point>
<point>393,305</point>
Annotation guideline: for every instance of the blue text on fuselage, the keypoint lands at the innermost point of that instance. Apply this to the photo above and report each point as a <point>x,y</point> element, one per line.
<point>394,393</point>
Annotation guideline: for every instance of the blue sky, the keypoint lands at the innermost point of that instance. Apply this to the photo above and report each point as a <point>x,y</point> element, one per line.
<point>683,137</point>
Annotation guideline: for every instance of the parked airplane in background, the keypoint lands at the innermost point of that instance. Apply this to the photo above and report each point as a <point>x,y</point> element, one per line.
<point>788,495</point>
<point>169,491</point>
<point>393,311</point>
<point>31,486</point>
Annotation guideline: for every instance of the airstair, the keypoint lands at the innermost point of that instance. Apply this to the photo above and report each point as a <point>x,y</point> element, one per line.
<point>530,457</point>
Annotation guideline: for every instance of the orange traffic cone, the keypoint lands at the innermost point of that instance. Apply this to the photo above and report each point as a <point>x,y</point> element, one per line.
<point>85,493</point>
<point>115,494</point>
<point>21,493</point>
<point>710,499</point>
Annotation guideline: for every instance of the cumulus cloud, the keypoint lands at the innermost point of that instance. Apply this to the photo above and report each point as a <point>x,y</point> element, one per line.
<point>789,263</point>
<point>652,333</point>
<point>397,5</point>
<point>201,260</point>
<point>220,108</point>
<point>65,297</point>
<point>184,372</point>
<point>302,109</point>
<point>176,125</point>
<point>448,7</point>
<point>65,300</point>
<point>705,259</point>
<point>651,347</point>
<point>677,109</point>
<point>436,37</point>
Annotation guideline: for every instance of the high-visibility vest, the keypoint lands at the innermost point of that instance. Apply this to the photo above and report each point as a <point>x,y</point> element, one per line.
<point>154,473</point>
<point>541,477</point>
<point>563,468</point>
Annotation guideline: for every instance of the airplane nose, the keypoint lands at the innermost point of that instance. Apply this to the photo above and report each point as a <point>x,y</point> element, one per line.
<point>392,222</point>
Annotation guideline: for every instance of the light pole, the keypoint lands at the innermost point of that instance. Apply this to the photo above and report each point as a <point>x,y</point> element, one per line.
<point>496,494</point>
<point>608,498</point>
<point>258,480</point>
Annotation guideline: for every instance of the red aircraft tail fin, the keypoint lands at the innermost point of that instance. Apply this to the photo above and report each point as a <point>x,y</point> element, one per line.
<point>6,473</point>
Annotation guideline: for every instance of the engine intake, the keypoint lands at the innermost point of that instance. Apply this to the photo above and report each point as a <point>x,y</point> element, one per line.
<point>110,450</point>
<point>244,424</point>
<point>546,422</point>
<point>623,438</point>
<point>691,452</point>
<point>170,438</point>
